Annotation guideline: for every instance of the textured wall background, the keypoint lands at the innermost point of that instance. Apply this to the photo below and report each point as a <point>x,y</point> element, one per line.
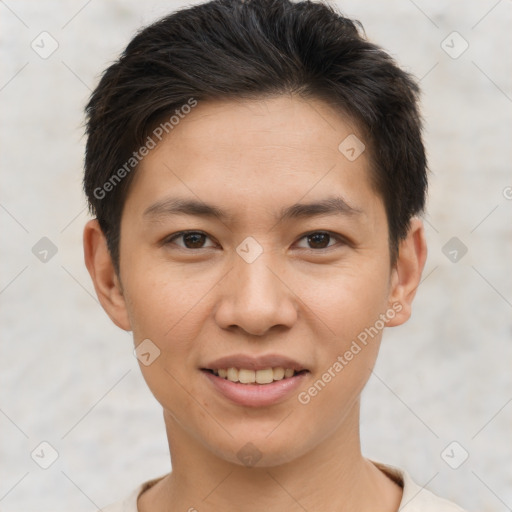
<point>68,376</point>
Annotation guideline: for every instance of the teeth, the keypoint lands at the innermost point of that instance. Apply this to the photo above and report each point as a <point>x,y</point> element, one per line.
<point>279,373</point>
<point>232,374</point>
<point>246,376</point>
<point>264,376</point>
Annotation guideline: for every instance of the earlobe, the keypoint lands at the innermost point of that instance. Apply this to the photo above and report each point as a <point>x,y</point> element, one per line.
<point>406,275</point>
<point>101,269</point>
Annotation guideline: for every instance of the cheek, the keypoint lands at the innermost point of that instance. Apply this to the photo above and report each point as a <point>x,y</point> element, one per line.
<point>350,305</point>
<point>162,312</point>
<point>345,358</point>
<point>332,397</point>
<point>164,301</point>
<point>168,306</point>
<point>348,301</point>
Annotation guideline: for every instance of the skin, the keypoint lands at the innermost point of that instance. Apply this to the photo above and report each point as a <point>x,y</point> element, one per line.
<point>298,299</point>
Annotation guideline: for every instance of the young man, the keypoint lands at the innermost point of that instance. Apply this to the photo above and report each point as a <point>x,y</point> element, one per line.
<point>255,169</point>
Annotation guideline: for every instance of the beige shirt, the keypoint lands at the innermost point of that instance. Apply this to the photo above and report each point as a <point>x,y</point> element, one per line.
<point>414,499</point>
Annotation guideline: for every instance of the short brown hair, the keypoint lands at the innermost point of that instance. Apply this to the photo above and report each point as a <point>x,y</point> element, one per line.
<point>244,49</point>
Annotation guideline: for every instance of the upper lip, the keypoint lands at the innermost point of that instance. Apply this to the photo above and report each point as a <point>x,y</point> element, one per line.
<point>254,363</point>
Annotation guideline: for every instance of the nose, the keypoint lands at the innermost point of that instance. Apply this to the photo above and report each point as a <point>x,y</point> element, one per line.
<point>256,298</point>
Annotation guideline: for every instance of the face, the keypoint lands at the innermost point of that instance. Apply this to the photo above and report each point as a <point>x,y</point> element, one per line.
<point>284,265</point>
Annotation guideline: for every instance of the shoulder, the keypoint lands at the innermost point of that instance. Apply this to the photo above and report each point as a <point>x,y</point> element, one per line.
<point>416,498</point>
<point>129,503</point>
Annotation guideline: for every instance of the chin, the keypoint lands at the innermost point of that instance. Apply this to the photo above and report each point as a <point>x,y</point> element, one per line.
<point>258,449</point>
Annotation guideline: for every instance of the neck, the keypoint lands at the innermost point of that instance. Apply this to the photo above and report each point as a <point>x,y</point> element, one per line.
<point>333,475</point>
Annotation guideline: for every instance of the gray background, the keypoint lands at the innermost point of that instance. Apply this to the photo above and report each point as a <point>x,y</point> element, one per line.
<point>68,375</point>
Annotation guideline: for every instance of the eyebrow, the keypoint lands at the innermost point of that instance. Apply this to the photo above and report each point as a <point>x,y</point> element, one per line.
<point>179,206</point>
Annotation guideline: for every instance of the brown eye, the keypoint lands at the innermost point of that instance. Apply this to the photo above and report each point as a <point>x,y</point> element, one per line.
<point>320,240</point>
<point>191,239</point>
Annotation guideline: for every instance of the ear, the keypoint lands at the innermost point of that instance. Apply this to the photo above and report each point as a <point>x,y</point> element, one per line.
<point>406,274</point>
<point>106,282</point>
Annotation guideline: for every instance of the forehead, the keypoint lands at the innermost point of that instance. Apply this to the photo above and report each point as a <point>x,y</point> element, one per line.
<point>284,122</point>
<point>256,155</point>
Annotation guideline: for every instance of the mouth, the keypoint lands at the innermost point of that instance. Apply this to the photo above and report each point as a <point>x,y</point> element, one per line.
<point>259,377</point>
<point>247,387</point>
<point>254,381</point>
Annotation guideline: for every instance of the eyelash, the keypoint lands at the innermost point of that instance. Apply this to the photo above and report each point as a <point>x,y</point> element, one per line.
<point>341,240</point>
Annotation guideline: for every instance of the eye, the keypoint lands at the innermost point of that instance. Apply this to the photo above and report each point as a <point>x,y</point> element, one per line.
<point>191,239</point>
<point>320,240</point>
<point>317,240</point>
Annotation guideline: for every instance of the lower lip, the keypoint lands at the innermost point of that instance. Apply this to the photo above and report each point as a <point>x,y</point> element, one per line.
<point>256,395</point>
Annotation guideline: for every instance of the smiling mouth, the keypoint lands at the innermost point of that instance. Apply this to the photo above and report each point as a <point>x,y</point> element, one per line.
<point>246,376</point>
